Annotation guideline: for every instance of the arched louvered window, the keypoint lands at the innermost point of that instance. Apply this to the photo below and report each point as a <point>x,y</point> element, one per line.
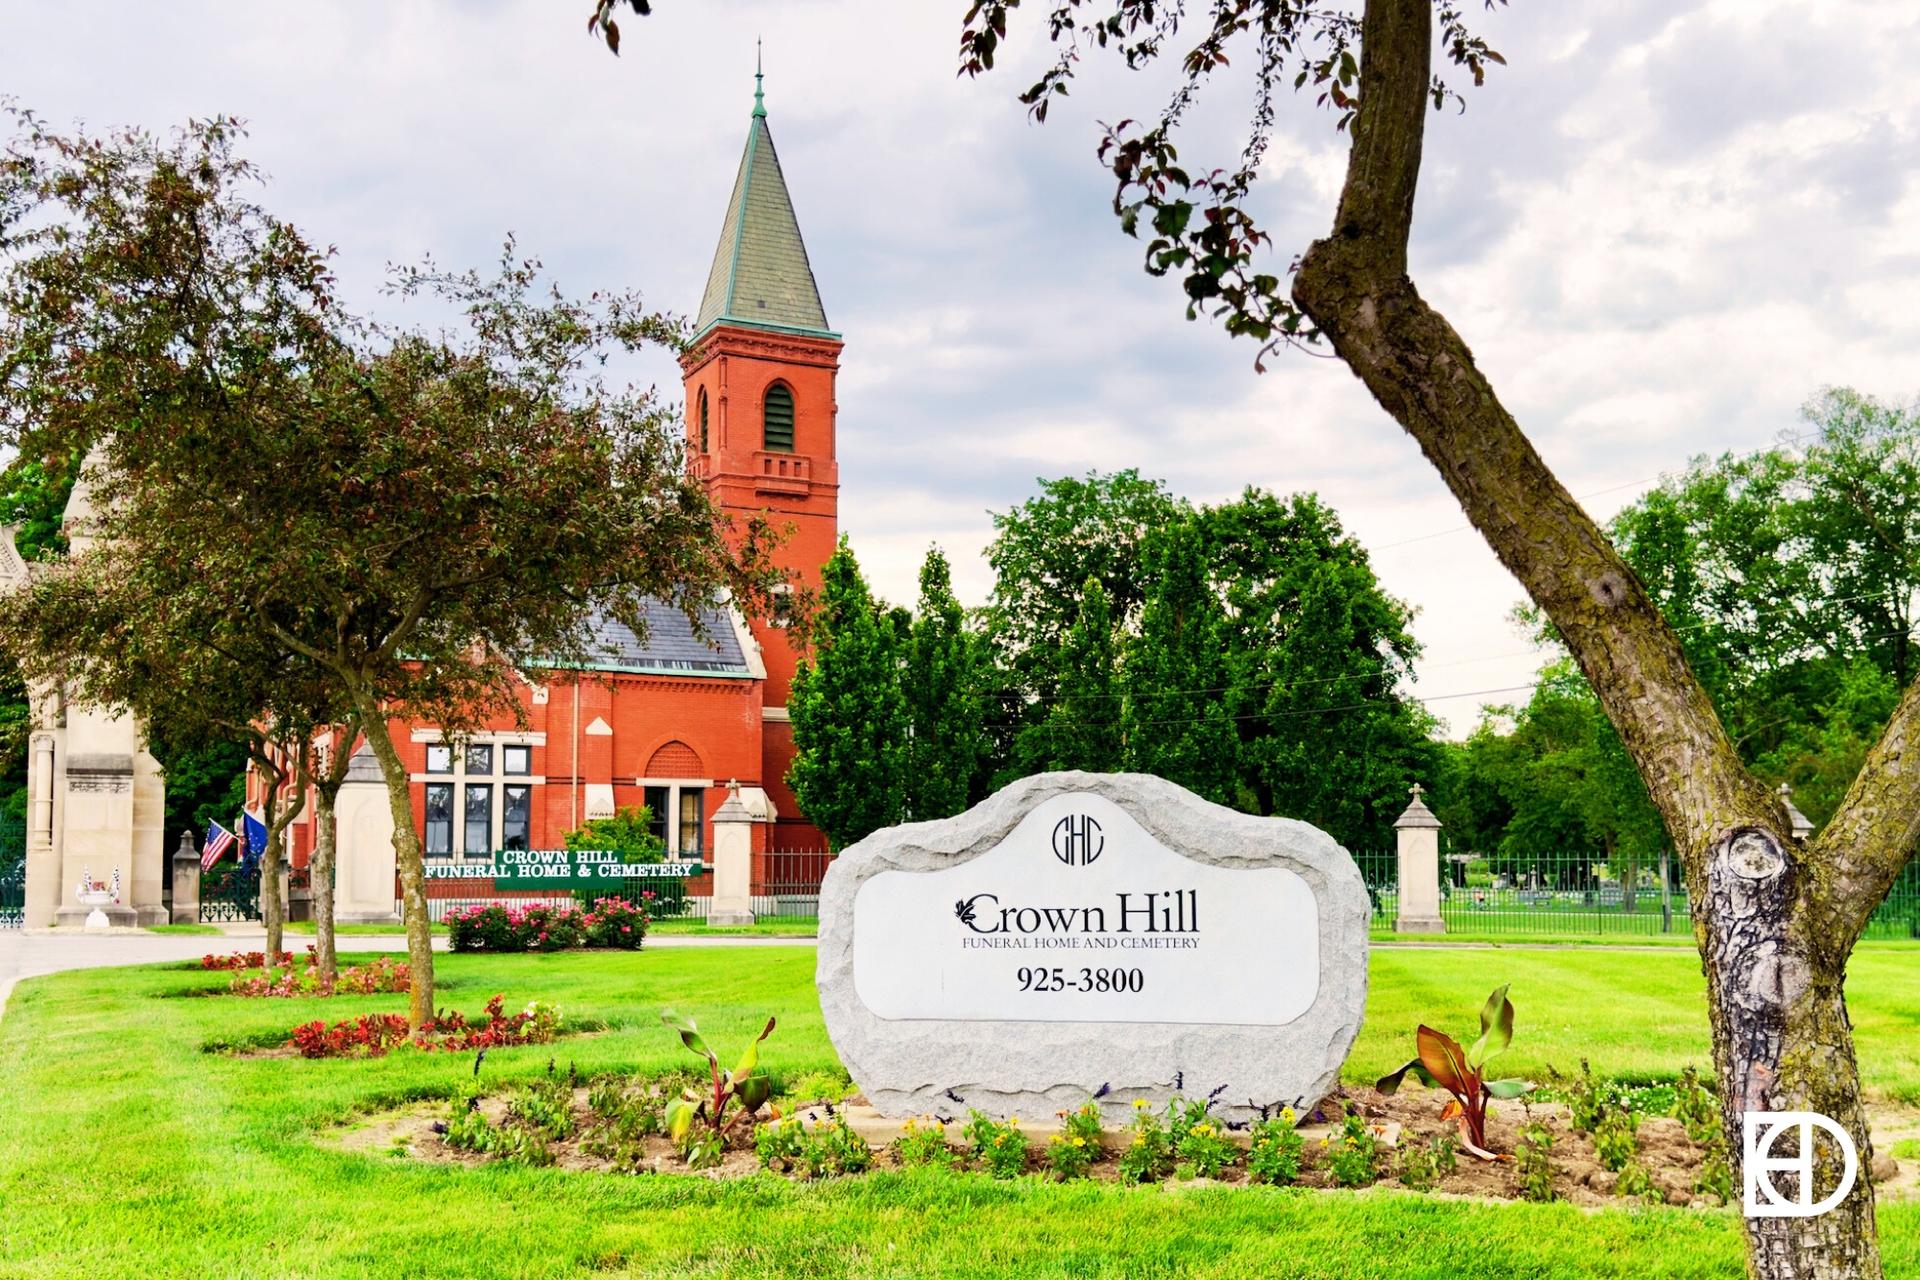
<point>703,420</point>
<point>779,418</point>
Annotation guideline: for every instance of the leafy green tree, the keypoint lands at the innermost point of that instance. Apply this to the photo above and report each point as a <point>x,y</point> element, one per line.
<point>1080,726</point>
<point>1320,653</point>
<point>850,718</point>
<point>941,681</point>
<point>414,516</point>
<point>1047,547</point>
<point>628,831</point>
<point>1178,719</point>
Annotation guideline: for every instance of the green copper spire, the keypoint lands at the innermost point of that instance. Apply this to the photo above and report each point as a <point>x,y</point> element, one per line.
<point>760,276</point>
<point>759,93</point>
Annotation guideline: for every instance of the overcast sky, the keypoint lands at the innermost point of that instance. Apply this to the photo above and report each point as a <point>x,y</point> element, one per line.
<point>1661,228</point>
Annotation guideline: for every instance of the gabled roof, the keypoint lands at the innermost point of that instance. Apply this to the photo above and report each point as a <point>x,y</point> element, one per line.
<point>671,646</point>
<point>760,276</point>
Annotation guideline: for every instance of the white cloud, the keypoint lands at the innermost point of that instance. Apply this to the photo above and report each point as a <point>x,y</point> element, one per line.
<point>1659,228</point>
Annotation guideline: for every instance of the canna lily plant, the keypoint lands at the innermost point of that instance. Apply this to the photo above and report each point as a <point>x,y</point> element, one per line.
<point>1442,1063</point>
<point>745,1089</point>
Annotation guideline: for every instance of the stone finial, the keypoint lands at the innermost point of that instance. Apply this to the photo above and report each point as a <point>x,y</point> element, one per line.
<point>732,809</point>
<point>1802,824</point>
<point>1417,814</point>
<point>186,849</point>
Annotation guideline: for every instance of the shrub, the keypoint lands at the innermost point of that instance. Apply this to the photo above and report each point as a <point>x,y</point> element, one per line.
<point>1273,1156</point>
<point>534,927</point>
<point>920,1146</point>
<point>370,1035</point>
<point>375,1034</point>
<point>1615,1139</point>
<point>779,1144</point>
<point>1716,1170</point>
<point>1533,1161</point>
<point>243,960</point>
<point>1637,1183</point>
<point>745,1089</point>
<point>546,1106</point>
<point>467,1129</point>
<point>1148,1154</point>
<point>377,977</point>
<point>616,923</point>
<point>1204,1150</point>
<point>700,1148</point>
<point>1442,1063</point>
<point>1000,1149</point>
<point>832,1149</point>
<point>1694,1107</point>
<point>1354,1160</point>
<point>1420,1165</point>
<point>1069,1155</point>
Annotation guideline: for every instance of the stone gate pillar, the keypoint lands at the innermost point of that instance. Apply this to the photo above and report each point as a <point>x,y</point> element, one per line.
<point>185,905</point>
<point>1417,832</point>
<point>732,862</point>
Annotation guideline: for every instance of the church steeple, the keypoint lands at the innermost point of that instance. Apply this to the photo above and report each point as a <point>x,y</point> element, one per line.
<point>760,276</point>
<point>761,408</point>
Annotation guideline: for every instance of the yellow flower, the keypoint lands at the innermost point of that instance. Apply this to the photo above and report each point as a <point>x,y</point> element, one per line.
<point>1139,1104</point>
<point>1014,1122</point>
<point>1286,1115</point>
<point>1323,1142</point>
<point>1079,1141</point>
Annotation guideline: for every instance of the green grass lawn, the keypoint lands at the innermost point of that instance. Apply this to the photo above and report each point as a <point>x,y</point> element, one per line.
<point>128,1152</point>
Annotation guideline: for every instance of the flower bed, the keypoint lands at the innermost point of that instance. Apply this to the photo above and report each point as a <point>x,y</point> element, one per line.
<point>372,1035</point>
<point>243,960</point>
<point>612,922</point>
<point>619,1124</point>
<point>374,978</point>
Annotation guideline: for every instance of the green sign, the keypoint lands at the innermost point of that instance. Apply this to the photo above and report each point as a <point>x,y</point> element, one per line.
<point>579,869</point>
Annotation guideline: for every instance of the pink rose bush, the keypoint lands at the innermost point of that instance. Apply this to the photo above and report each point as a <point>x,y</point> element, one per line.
<point>497,927</point>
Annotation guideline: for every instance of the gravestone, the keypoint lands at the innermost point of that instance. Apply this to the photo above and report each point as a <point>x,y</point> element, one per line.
<point>1093,935</point>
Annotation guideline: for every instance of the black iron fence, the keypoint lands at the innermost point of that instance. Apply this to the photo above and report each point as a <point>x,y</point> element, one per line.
<point>13,873</point>
<point>786,886</point>
<point>1577,893</point>
<point>230,893</point>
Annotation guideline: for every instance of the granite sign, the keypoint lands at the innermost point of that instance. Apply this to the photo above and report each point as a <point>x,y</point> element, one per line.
<point>1082,934</point>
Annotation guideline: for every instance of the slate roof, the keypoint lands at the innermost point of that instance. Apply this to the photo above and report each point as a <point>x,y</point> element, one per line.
<point>760,276</point>
<point>671,645</point>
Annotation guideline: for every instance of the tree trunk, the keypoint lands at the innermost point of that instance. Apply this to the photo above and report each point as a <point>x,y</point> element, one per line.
<point>407,858</point>
<point>325,843</point>
<point>272,913</point>
<point>1782,1042</point>
<point>1774,921</point>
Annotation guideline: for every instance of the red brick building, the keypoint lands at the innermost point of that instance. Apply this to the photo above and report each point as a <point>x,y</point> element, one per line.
<point>670,720</point>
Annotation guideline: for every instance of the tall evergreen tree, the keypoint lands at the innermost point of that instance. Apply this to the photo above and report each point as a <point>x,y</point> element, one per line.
<point>942,686</point>
<point>850,718</point>
<point>1178,719</point>
<point>1080,728</point>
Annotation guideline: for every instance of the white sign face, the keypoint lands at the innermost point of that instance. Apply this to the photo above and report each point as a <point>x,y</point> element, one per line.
<point>1080,915</point>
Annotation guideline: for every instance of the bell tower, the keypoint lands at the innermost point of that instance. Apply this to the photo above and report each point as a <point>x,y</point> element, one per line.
<point>759,379</point>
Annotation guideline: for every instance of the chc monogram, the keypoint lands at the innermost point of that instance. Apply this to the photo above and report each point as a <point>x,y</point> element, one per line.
<point>1759,1131</point>
<point>1077,840</point>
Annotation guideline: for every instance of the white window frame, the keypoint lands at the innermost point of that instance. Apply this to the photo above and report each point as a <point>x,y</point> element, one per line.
<point>497,781</point>
<point>675,786</point>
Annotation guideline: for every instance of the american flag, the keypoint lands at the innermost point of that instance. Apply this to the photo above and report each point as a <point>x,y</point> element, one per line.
<point>219,840</point>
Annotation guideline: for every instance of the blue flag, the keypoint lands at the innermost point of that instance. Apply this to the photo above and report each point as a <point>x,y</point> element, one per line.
<point>255,832</point>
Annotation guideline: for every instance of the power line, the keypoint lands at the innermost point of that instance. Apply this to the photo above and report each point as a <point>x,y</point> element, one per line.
<point>1634,484</point>
<point>1036,699</point>
<point>1362,704</point>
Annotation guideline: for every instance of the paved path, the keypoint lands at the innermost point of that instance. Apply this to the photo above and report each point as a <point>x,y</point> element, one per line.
<point>33,953</point>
